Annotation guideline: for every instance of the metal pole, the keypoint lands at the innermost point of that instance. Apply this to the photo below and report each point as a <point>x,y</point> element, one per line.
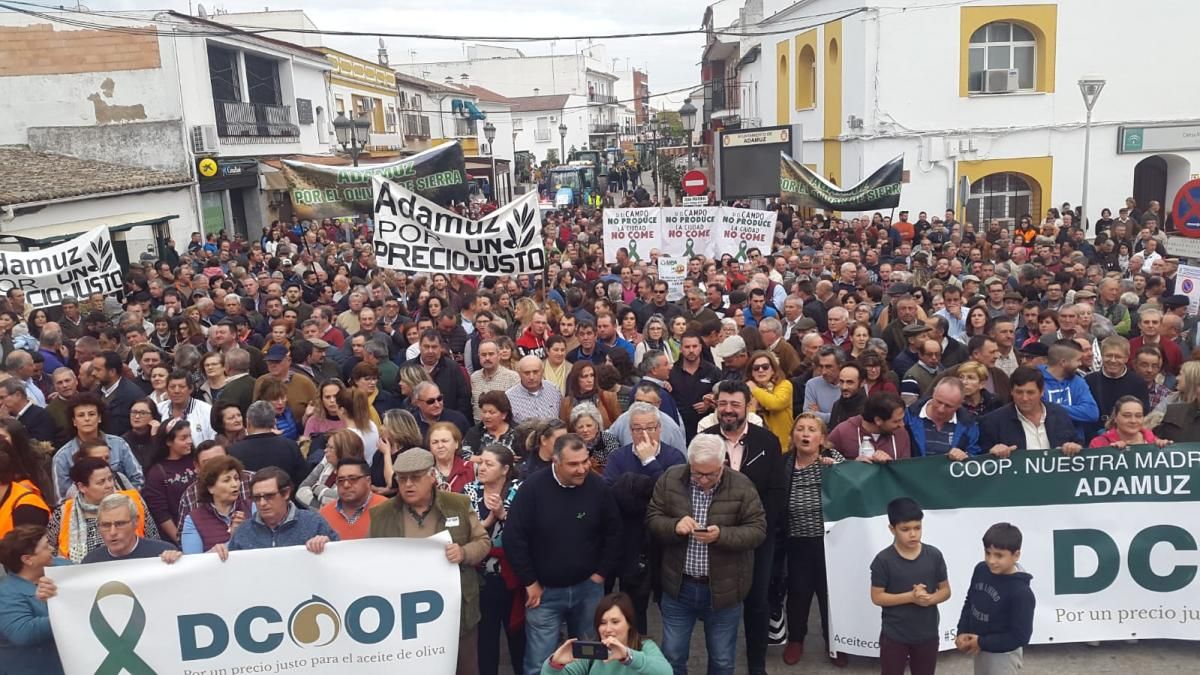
<point>562,149</point>
<point>689,150</point>
<point>1087,152</point>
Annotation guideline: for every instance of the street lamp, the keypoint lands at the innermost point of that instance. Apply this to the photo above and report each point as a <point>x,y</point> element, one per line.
<point>562,143</point>
<point>688,115</point>
<point>1090,86</point>
<point>489,132</point>
<point>352,135</point>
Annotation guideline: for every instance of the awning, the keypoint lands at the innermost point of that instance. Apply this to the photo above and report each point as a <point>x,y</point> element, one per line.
<point>52,234</point>
<point>272,177</point>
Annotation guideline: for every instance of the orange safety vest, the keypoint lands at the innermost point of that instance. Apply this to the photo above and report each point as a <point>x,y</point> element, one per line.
<point>64,532</point>
<point>20,493</point>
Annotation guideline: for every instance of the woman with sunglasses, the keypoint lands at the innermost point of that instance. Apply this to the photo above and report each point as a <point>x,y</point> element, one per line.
<point>773,393</point>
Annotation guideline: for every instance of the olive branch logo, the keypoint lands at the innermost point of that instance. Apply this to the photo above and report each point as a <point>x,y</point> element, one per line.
<point>521,229</point>
<point>100,255</point>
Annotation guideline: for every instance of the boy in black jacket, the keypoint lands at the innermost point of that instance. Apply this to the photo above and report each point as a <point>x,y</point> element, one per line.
<point>997,616</point>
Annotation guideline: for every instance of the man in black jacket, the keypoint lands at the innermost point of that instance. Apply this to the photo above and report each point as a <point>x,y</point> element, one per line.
<point>445,373</point>
<point>563,540</point>
<point>118,392</point>
<point>1028,423</point>
<point>754,452</point>
<point>37,421</point>
<point>263,447</point>
<point>692,378</point>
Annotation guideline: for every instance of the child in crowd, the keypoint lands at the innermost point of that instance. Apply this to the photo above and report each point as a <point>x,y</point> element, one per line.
<point>997,616</point>
<point>909,581</point>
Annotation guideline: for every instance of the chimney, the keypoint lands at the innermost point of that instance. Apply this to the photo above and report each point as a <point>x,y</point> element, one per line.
<point>536,91</point>
<point>383,55</point>
<point>466,79</point>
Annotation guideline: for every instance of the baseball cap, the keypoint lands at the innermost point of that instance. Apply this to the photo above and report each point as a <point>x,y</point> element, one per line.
<point>277,353</point>
<point>1035,349</point>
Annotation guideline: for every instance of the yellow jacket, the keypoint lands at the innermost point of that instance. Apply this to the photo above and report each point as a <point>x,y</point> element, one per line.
<point>776,410</point>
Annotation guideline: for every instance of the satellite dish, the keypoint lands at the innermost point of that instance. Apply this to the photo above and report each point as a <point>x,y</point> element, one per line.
<point>201,12</point>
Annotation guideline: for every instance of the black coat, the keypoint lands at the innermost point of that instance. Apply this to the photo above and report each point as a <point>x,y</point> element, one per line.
<point>117,405</point>
<point>452,380</point>
<point>40,425</point>
<point>763,464</point>
<point>1003,426</point>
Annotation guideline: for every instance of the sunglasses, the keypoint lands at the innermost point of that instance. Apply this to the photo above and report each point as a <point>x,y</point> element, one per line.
<point>762,366</point>
<point>435,399</point>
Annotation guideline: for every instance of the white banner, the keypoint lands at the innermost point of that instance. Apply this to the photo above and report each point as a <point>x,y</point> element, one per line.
<point>283,610</point>
<point>690,231</point>
<point>744,229</point>
<point>1189,285</point>
<point>635,230</point>
<point>672,270</point>
<point>416,235</point>
<point>75,268</point>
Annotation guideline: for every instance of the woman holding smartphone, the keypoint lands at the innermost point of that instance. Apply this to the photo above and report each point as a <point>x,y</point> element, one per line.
<point>620,648</point>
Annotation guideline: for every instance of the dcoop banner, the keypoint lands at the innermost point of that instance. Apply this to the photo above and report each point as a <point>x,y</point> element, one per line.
<point>1110,538</point>
<point>75,268</point>
<point>321,191</point>
<point>345,610</point>
<point>415,235</point>
<point>710,231</point>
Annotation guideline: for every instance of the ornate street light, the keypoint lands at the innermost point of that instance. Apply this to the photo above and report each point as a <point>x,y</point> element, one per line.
<point>352,135</point>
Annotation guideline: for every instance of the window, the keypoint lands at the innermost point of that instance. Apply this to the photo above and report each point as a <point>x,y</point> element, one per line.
<point>416,102</point>
<point>340,105</point>
<point>806,78</point>
<point>390,119</point>
<point>262,80</point>
<point>464,127</point>
<point>403,100</point>
<point>1000,196</point>
<point>542,133</point>
<point>1001,45</point>
<point>223,74</point>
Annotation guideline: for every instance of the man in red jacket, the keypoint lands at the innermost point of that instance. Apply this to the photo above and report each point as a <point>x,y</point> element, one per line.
<point>533,340</point>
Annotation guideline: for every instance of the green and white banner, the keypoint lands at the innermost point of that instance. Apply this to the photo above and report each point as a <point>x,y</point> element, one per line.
<point>1110,538</point>
<point>280,610</point>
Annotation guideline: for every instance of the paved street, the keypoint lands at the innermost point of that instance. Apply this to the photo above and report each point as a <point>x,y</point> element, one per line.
<point>1148,657</point>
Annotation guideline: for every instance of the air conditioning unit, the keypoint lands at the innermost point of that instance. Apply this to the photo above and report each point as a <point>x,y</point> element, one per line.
<point>204,139</point>
<point>1001,80</point>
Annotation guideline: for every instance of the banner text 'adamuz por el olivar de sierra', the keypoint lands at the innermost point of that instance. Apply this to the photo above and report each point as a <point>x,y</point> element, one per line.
<point>346,610</point>
<point>415,235</point>
<point>1110,538</point>
<point>75,268</point>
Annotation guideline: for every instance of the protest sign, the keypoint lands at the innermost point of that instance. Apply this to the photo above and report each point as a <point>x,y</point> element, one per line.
<point>690,231</point>
<point>1109,538</point>
<point>744,229</point>
<point>635,230</point>
<point>672,270</point>
<point>803,187</point>
<point>322,191</point>
<point>344,610</point>
<point>75,268</point>
<point>415,235</point>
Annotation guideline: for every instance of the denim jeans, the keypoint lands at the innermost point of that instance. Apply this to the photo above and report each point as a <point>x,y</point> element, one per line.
<point>574,604</point>
<point>679,616</point>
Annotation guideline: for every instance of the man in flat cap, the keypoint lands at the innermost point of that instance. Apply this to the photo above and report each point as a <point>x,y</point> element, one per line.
<point>420,510</point>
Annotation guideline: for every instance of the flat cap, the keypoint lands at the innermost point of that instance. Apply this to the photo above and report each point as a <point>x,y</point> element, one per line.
<point>413,460</point>
<point>805,324</point>
<point>916,329</point>
<point>1177,300</point>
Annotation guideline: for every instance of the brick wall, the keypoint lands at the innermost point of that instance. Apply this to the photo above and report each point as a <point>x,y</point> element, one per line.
<point>41,50</point>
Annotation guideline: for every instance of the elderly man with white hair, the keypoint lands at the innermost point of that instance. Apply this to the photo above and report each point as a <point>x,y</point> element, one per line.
<point>646,454</point>
<point>708,520</point>
<point>534,396</point>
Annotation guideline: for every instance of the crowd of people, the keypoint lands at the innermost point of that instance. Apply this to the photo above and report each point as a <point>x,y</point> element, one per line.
<point>576,432</point>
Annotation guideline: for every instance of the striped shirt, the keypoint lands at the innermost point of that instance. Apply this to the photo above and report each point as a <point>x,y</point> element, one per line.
<point>527,405</point>
<point>805,518</point>
<point>695,562</point>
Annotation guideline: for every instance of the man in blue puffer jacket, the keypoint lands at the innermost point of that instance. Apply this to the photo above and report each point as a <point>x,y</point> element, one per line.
<point>940,425</point>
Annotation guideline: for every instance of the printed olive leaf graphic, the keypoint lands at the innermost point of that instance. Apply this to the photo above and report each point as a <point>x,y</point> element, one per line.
<point>527,226</point>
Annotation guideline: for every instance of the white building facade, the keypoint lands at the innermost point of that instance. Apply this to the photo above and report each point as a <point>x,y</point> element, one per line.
<point>536,122</point>
<point>983,95</point>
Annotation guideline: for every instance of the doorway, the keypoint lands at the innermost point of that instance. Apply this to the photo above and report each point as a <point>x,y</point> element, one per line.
<point>1158,178</point>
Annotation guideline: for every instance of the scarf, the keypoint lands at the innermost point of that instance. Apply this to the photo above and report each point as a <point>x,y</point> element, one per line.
<point>77,538</point>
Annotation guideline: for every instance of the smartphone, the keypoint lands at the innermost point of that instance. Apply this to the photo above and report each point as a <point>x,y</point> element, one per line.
<point>589,650</point>
<point>701,529</point>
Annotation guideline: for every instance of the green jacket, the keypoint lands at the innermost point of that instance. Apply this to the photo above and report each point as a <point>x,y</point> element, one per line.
<point>387,520</point>
<point>648,661</point>
<point>735,509</point>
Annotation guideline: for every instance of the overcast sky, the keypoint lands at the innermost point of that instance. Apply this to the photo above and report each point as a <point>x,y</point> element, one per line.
<point>671,62</point>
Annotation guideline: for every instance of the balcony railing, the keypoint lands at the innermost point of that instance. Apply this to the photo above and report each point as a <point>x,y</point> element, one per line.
<point>416,126</point>
<point>602,98</point>
<point>605,128</point>
<point>259,122</point>
<point>724,93</point>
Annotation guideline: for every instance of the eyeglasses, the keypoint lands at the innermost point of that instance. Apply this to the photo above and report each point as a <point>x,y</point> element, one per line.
<point>642,430</point>
<point>413,478</point>
<point>139,413</point>
<point>705,475</point>
<point>349,480</point>
<point>114,525</point>
<point>762,366</point>
<point>435,399</point>
<point>264,497</point>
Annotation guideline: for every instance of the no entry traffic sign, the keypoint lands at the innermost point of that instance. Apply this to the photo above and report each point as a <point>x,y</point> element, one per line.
<point>695,183</point>
<point>1186,211</point>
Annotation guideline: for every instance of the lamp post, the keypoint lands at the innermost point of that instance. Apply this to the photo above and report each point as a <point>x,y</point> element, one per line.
<point>562,143</point>
<point>352,134</point>
<point>1090,86</point>
<point>687,114</point>
<point>489,132</point>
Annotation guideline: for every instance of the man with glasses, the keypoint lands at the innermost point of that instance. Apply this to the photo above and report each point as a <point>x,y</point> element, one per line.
<point>444,371</point>
<point>646,454</point>
<point>659,305</point>
<point>116,519</point>
<point>431,409</point>
<point>926,369</point>
<point>277,522</point>
<point>707,555</point>
<point>350,514</point>
<point>420,510</point>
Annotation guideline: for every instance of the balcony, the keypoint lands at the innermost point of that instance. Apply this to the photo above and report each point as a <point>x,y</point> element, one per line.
<point>605,128</point>
<point>239,122</point>
<point>416,126</point>
<point>601,98</point>
<point>724,95</point>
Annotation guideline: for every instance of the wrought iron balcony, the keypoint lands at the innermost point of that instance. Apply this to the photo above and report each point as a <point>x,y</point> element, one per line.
<point>260,122</point>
